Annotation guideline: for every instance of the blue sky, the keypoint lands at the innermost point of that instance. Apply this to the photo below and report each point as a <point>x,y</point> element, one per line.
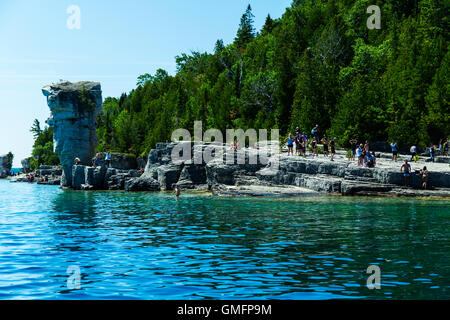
<point>118,41</point>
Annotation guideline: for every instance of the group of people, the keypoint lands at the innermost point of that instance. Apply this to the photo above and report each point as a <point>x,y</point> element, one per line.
<point>97,160</point>
<point>442,150</point>
<point>362,153</point>
<point>301,143</point>
<point>407,172</point>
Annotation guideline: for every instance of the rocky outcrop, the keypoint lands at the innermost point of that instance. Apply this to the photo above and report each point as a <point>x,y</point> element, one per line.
<point>49,170</point>
<point>73,107</point>
<point>232,173</point>
<point>5,165</point>
<point>26,165</point>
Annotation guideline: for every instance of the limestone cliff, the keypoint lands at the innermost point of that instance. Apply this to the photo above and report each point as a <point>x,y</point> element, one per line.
<point>5,165</point>
<point>73,107</point>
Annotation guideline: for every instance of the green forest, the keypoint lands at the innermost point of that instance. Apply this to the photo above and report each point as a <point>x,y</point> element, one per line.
<point>317,64</point>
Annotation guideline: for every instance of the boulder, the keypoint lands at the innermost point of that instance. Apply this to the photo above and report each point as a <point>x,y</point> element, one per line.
<point>143,183</point>
<point>168,176</point>
<point>78,176</point>
<point>74,107</point>
<point>26,165</point>
<point>5,165</point>
<point>49,170</point>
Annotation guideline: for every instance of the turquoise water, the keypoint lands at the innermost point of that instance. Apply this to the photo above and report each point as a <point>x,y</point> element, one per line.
<point>152,246</point>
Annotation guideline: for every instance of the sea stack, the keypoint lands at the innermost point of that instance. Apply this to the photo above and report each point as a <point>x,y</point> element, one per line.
<point>74,107</point>
<point>5,165</point>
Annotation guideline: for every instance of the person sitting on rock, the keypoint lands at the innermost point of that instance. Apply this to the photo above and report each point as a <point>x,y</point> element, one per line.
<point>98,160</point>
<point>77,161</point>
<point>406,169</point>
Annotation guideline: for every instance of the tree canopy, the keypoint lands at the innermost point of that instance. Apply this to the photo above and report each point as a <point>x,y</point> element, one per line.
<point>317,64</point>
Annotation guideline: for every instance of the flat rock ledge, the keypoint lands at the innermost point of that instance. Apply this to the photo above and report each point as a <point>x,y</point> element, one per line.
<point>294,176</point>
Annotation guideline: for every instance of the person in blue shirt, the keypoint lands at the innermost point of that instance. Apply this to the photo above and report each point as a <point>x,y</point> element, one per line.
<point>394,150</point>
<point>290,144</point>
<point>359,154</point>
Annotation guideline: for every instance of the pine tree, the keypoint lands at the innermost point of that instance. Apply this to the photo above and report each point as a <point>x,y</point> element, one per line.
<point>36,128</point>
<point>268,25</point>
<point>246,31</point>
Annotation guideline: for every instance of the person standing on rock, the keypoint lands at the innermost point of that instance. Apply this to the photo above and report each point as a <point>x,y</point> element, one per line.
<point>432,151</point>
<point>314,148</point>
<point>367,147</point>
<point>333,148</point>
<point>359,154</point>
<point>413,151</point>
<point>394,148</point>
<point>298,144</point>
<point>425,174</point>
<point>290,144</point>
<point>353,147</point>
<point>108,159</point>
<point>325,146</point>
<point>445,148</point>
<point>406,170</point>
<point>315,132</point>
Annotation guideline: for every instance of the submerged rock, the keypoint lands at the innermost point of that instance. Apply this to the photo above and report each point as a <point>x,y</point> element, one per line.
<point>74,107</point>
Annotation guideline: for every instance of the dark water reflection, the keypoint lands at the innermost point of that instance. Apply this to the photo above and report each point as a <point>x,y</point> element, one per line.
<point>152,246</point>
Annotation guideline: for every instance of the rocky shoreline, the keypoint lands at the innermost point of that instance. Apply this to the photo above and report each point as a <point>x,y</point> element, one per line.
<point>295,176</point>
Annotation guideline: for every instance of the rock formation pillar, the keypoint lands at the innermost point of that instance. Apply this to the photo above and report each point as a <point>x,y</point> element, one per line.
<point>74,107</point>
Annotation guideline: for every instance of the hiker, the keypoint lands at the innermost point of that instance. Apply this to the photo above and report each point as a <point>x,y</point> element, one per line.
<point>297,131</point>
<point>446,148</point>
<point>441,148</point>
<point>108,159</point>
<point>406,170</point>
<point>290,144</point>
<point>413,151</point>
<point>325,146</point>
<point>353,147</point>
<point>425,174</point>
<point>333,148</point>
<point>394,148</point>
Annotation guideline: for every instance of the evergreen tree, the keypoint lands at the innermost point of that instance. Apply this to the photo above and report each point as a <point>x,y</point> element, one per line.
<point>246,31</point>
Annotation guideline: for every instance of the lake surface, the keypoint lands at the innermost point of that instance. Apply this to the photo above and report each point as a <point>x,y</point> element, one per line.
<point>152,246</point>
